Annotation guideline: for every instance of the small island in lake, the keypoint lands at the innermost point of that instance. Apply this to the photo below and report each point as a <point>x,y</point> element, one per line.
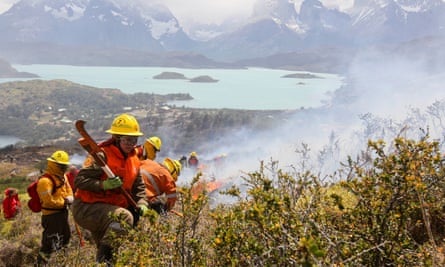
<point>302,76</point>
<point>203,79</point>
<point>169,75</point>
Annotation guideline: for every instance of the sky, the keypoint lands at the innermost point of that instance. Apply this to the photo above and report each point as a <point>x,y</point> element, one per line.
<point>214,11</point>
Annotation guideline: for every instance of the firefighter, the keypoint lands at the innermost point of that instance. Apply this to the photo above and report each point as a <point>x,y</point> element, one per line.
<point>193,160</point>
<point>100,204</point>
<point>151,146</point>
<point>11,203</point>
<point>55,196</point>
<point>160,182</point>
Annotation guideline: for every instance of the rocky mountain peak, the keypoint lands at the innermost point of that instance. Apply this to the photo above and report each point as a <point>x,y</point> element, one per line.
<point>274,27</point>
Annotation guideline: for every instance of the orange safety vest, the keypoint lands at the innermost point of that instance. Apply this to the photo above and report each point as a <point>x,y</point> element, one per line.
<point>126,168</point>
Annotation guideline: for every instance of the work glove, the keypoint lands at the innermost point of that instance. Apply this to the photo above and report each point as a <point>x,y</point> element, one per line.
<point>69,200</point>
<point>112,183</point>
<point>159,207</point>
<point>144,210</point>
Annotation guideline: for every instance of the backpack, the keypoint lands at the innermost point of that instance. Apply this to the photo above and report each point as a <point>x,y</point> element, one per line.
<point>34,203</point>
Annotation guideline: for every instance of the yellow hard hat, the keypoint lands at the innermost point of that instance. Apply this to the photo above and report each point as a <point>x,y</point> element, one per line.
<point>174,167</point>
<point>60,157</point>
<point>193,154</point>
<point>178,166</point>
<point>125,124</point>
<point>155,142</point>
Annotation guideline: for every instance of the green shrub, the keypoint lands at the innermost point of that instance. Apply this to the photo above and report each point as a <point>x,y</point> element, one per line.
<point>385,209</point>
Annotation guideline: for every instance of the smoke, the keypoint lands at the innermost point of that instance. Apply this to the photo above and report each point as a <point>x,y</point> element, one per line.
<point>385,93</point>
<point>77,159</point>
<point>387,85</point>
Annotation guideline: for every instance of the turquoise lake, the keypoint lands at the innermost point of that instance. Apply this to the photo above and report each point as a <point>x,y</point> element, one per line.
<point>251,88</point>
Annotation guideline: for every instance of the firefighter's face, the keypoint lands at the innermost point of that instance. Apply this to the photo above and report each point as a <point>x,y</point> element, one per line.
<point>127,143</point>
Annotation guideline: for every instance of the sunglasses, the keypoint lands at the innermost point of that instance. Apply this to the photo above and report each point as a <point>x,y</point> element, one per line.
<point>129,140</point>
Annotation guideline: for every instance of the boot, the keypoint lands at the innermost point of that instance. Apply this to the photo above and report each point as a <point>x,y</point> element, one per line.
<point>105,255</point>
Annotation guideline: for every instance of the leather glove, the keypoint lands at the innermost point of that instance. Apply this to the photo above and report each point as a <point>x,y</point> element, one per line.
<point>69,200</point>
<point>112,183</point>
<point>159,207</point>
<point>144,210</point>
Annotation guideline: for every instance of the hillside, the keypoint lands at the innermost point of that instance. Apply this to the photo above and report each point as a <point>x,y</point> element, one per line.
<point>7,71</point>
<point>44,112</point>
<point>386,211</point>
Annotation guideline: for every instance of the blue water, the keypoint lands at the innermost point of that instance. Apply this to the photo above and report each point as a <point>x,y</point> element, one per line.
<point>252,88</point>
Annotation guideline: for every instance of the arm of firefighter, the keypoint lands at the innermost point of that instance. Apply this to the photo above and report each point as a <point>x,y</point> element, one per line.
<point>68,188</point>
<point>89,179</point>
<point>68,193</point>
<point>170,194</point>
<point>47,197</point>
<point>138,192</point>
<point>169,189</point>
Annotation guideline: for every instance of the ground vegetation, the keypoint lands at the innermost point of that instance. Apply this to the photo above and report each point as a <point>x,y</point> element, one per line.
<point>384,208</point>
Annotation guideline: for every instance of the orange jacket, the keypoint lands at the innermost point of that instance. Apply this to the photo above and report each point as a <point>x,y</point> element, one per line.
<point>126,168</point>
<point>158,181</point>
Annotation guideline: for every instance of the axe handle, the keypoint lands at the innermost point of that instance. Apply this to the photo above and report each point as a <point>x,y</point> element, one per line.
<point>89,147</point>
<point>87,142</point>
<point>108,171</point>
<point>79,233</point>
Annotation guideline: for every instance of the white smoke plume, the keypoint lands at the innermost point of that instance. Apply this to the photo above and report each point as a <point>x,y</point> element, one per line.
<point>384,94</point>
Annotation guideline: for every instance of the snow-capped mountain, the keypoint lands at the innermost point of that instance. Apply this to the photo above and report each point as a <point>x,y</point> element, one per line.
<point>107,23</point>
<point>275,27</point>
<point>393,21</point>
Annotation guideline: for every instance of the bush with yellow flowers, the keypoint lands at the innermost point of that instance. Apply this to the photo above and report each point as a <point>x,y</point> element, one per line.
<point>385,208</point>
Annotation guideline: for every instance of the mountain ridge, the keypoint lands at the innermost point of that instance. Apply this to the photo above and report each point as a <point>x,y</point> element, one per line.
<point>276,27</point>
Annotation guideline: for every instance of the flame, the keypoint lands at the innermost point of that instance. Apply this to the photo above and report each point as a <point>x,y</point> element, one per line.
<point>205,186</point>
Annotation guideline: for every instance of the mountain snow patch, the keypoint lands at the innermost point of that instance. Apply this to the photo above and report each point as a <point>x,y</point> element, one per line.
<point>69,12</point>
<point>159,28</point>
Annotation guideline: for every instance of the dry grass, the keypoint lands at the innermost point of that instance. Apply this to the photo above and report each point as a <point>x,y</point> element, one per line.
<point>20,242</point>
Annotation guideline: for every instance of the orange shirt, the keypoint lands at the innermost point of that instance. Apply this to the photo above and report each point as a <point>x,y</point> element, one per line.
<point>158,181</point>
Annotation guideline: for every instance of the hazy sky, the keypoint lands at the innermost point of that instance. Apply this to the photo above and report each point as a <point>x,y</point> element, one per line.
<point>210,10</point>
